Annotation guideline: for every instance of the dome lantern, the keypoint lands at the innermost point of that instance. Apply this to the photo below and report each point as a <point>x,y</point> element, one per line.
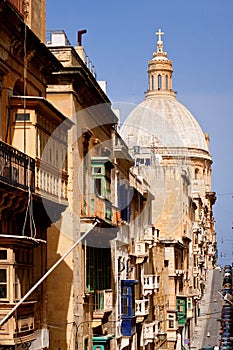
<point>159,71</point>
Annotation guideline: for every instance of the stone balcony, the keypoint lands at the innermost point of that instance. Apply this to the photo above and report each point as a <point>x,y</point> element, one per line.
<point>141,309</point>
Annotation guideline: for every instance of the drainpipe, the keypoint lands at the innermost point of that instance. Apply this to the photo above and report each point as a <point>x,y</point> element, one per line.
<point>46,274</point>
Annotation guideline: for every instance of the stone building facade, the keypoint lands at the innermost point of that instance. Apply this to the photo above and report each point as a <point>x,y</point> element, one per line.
<point>172,153</point>
<point>100,248</point>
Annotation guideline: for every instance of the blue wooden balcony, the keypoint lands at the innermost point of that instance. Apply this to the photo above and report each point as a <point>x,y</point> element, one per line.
<point>128,324</point>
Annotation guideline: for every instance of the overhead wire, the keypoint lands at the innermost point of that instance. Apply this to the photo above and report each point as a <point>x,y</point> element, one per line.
<point>29,210</point>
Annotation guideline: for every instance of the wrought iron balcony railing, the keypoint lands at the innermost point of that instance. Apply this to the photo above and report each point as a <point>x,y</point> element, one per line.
<point>16,168</point>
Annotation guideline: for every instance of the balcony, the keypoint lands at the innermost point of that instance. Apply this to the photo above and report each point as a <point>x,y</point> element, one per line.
<point>16,168</point>
<point>196,248</point>
<point>179,272</point>
<point>121,151</point>
<point>46,130</point>
<point>149,332</point>
<point>141,308</point>
<point>201,259</point>
<point>196,226</point>
<point>20,329</point>
<point>103,303</point>
<point>51,182</point>
<point>151,284</point>
<point>139,250</point>
<point>95,206</point>
<point>128,326</point>
<point>151,234</point>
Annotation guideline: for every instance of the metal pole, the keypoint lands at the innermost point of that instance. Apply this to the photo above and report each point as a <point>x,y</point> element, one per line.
<point>46,274</point>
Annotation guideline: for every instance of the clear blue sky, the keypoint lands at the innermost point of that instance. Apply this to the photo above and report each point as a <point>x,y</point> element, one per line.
<point>198,37</point>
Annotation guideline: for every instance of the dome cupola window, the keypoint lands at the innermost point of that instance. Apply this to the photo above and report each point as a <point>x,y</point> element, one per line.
<point>159,82</point>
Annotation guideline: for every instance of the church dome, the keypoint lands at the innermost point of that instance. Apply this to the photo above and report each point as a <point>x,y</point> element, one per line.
<point>161,120</point>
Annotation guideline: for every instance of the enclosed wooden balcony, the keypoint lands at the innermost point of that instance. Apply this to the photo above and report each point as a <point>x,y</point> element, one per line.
<point>150,330</point>
<point>151,284</point>
<point>151,235</point>
<point>101,208</point>
<point>139,250</point>
<point>41,131</point>
<point>20,327</point>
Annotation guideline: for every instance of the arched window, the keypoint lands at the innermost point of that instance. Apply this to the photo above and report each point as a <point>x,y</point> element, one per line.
<point>159,82</point>
<point>166,82</point>
<point>196,173</point>
<point>152,83</point>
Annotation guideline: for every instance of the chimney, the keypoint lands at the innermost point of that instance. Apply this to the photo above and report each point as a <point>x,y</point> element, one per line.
<point>80,49</point>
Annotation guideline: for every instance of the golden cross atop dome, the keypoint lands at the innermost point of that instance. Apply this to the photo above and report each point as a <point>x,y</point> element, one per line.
<point>159,33</point>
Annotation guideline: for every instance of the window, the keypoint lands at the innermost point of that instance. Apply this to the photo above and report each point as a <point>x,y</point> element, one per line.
<point>181,308</point>
<point>98,187</point>
<point>98,265</point>
<point>3,283</point>
<point>125,306</point>
<point>196,174</point>
<point>16,287</point>
<point>19,117</point>
<point>166,82</point>
<point>171,321</point>
<point>3,254</point>
<point>136,149</point>
<point>97,170</point>
<point>124,198</point>
<point>152,83</point>
<point>101,175</point>
<point>86,344</point>
<point>159,82</point>
<point>189,303</point>
<point>128,298</point>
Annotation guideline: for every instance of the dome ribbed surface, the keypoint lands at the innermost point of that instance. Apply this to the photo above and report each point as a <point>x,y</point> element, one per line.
<point>165,122</point>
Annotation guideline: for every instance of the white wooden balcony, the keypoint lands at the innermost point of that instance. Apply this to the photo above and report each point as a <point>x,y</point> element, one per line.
<point>150,330</point>
<point>151,235</point>
<point>150,284</point>
<point>140,250</point>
